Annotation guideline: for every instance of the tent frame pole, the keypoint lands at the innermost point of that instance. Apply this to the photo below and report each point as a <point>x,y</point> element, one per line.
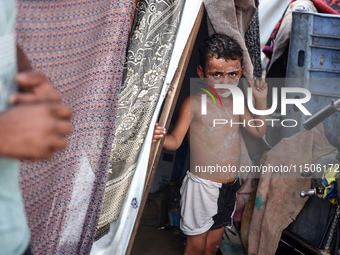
<point>165,118</point>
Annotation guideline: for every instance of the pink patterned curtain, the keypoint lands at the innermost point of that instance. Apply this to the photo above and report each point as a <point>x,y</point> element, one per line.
<point>80,45</point>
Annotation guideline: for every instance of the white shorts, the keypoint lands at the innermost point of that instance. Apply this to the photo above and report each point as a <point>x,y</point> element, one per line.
<point>206,205</point>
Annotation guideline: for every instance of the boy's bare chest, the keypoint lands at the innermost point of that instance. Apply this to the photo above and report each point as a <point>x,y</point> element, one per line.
<point>218,118</point>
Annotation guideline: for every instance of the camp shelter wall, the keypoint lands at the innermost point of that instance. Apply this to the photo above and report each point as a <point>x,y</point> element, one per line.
<point>117,240</point>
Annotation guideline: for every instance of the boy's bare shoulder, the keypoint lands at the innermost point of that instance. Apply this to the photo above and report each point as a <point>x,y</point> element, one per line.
<point>192,102</point>
<point>195,99</point>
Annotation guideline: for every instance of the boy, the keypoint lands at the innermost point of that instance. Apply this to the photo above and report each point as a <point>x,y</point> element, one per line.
<point>208,198</point>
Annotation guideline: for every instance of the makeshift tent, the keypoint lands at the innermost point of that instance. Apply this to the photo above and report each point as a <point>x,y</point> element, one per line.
<point>118,239</point>
<point>80,46</point>
<point>121,231</point>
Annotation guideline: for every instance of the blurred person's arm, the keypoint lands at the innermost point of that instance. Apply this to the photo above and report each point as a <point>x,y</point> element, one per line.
<point>37,124</point>
<point>34,131</point>
<point>33,86</point>
<point>22,61</point>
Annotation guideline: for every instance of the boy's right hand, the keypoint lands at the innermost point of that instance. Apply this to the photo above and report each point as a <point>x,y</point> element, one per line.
<point>158,133</point>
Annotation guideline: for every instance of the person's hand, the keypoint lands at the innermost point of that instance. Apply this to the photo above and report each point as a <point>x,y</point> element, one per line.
<point>34,87</point>
<point>158,133</point>
<point>260,88</point>
<point>34,131</point>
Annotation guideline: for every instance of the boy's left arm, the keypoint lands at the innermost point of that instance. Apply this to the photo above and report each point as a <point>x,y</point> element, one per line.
<point>259,125</point>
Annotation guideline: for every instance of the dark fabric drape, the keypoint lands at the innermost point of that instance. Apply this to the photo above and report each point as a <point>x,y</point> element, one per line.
<point>149,51</point>
<point>80,45</point>
<point>253,44</point>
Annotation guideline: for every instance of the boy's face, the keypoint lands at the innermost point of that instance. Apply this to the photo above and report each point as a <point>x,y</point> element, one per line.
<point>221,71</point>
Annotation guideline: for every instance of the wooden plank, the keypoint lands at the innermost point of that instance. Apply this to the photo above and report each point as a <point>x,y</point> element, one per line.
<point>164,121</point>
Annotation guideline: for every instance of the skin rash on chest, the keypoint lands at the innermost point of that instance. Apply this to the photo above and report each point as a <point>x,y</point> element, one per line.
<point>214,146</point>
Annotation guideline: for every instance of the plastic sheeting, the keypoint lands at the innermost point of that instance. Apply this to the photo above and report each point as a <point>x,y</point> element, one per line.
<point>270,13</point>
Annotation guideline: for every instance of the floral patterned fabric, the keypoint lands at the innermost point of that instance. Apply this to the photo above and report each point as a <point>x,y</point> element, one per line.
<point>148,56</point>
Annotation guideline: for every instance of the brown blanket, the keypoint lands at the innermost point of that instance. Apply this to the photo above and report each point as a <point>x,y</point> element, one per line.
<point>277,201</point>
<point>232,18</point>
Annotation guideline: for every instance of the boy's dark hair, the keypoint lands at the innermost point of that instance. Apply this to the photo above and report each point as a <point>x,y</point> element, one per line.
<point>220,45</point>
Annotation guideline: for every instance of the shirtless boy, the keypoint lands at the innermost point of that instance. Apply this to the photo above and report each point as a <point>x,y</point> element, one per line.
<point>208,199</point>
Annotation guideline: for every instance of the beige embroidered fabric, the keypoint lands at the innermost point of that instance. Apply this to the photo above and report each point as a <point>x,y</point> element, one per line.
<point>149,51</point>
